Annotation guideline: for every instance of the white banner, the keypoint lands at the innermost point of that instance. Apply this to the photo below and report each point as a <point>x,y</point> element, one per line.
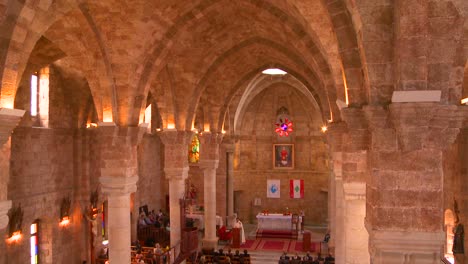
<point>273,188</point>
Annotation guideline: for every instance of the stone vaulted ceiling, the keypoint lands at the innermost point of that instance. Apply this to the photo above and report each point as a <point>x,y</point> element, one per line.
<point>187,52</point>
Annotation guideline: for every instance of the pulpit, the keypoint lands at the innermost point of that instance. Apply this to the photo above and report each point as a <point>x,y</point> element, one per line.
<point>236,237</point>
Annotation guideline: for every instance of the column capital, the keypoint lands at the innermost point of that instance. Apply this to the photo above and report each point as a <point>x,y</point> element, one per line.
<point>209,146</point>
<point>376,116</point>
<point>9,119</point>
<point>208,164</point>
<point>176,173</point>
<point>335,133</point>
<point>418,124</point>
<point>4,208</point>
<point>210,138</point>
<point>229,143</point>
<point>172,137</point>
<point>354,190</point>
<point>110,135</point>
<point>354,117</point>
<point>176,144</point>
<point>118,186</point>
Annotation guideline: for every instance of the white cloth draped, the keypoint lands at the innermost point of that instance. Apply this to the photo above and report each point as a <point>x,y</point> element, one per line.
<point>239,225</point>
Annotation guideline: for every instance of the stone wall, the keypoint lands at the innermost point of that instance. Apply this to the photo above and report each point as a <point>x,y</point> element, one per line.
<point>150,186</point>
<point>41,176</point>
<point>254,157</point>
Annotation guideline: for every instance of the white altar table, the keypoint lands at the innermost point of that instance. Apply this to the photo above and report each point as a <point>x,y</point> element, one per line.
<point>200,220</point>
<point>275,222</point>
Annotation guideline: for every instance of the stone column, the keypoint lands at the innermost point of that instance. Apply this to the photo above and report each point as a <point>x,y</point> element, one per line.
<point>349,143</point>
<point>335,214</point>
<point>230,147</point>
<point>9,119</point>
<point>209,159</point>
<point>118,179</point>
<point>357,238</point>
<point>405,189</point>
<point>176,178</point>
<point>176,170</point>
<point>118,190</point>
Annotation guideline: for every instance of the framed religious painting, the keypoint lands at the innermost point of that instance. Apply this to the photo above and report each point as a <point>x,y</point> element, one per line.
<point>283,156</point>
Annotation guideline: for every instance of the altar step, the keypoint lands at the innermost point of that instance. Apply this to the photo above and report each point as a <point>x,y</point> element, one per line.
<point>264,257</point>
<point>267,233</point>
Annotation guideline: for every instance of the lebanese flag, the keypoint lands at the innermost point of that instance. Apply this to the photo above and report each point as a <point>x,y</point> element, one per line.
<point>296,188</point>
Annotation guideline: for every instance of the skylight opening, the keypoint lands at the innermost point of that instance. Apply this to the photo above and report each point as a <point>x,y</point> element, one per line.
<point>274,71</point>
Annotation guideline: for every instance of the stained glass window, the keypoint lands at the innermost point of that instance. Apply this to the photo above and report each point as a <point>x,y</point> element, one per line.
<point>284,124</point>
<point>194,150</point>
<point>34,244</point>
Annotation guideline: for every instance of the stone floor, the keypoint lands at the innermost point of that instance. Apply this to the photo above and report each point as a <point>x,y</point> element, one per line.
<point>269,257</point>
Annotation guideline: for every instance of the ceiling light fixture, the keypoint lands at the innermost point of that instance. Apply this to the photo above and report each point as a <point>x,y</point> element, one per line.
<point>274,71</point>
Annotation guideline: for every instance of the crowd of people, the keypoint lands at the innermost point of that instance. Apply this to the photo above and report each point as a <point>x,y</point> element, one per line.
<point>212,256</point>
<point>307,259</point>
<point>152,218</point>
<point>148,255</point>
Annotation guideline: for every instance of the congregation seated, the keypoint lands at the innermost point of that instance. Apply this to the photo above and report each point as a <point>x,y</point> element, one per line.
<point>284,258</point>
<point>295,259</point>
<point>307,259</point>
<point>329,259</point>
<point>220,257</point>
<point>149,255</point>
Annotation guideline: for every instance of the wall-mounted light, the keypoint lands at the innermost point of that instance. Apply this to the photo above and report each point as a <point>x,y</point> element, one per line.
<point>91,125</point>
<point>324,129</point>
<point>171,126</point>
<point>65,212</point>
<point>464,101</point>
<point>15,237</point>
<point>93,198</point>
<point>65,221</point>
<point>15,219</point>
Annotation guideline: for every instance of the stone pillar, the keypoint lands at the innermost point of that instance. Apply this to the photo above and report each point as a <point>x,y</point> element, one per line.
<point>209,159</point>
<point>118,179</point>
<point>176,170</point>
<point>230,147</point>
<point>209,190</point>
<point>405,191</point>
<point>118,190</point>
<point>357,238</point>
<point>349,143</point>
<point>9,119</point>
<point>176,178</point>
<point>335,214</point>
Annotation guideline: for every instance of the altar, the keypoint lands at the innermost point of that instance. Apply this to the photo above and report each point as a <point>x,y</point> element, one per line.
<point>276,222</point>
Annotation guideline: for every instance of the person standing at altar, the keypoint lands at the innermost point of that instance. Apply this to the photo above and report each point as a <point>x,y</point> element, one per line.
<point>239,225</point>
<point>302,214</point>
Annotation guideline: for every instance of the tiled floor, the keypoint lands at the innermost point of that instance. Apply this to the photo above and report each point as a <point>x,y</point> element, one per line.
<point>267,257</point>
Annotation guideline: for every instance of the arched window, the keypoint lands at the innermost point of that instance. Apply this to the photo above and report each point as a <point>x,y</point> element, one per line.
<point>194,150</point>
<point>40,96</point>
<point>34,242</point>
<point>105,241</point>
<point>449,224</point>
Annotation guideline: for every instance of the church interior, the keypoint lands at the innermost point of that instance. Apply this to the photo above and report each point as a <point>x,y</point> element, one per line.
<point>109,108</point>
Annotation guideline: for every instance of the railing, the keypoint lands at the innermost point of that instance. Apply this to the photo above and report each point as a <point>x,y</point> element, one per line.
<point>156,235</point>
